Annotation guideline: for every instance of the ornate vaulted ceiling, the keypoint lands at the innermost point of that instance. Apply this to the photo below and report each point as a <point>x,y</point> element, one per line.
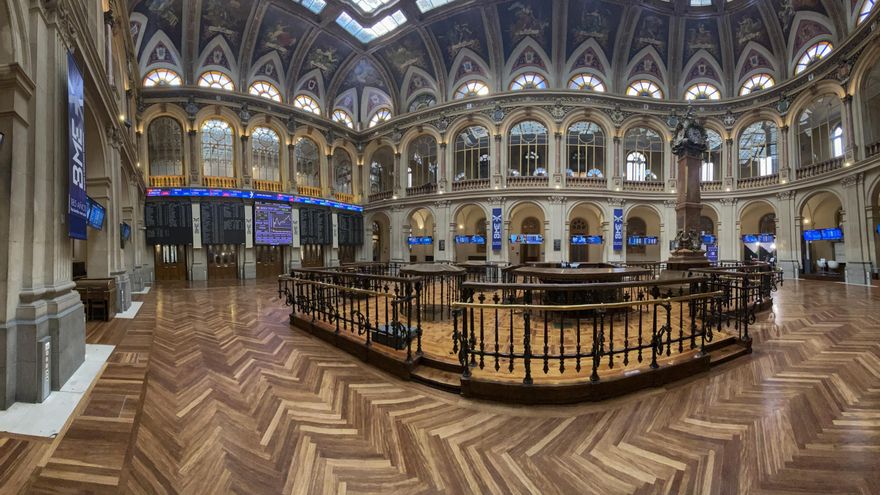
<point>419,55</point>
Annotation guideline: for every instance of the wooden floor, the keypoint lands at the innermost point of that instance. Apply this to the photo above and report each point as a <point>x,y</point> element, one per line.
<point>210,391</point>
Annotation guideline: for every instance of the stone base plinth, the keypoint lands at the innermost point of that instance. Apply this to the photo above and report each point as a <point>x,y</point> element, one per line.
<point>686,262</point>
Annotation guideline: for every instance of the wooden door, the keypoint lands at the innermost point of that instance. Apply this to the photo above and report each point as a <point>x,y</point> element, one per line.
<point>270,261</point>
<point>579,253</point>
<point>169,262</point>
<point>222,262</point>
<point>312,255</point>
<point>347,254</point>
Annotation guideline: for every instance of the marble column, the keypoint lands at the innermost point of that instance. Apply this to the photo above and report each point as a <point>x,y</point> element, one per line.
<point>291,166</point>
<point>246,167</point>
<point>195,174</point>
<point>789,226</point>
<point>856,230</point>
<point>849,130</point>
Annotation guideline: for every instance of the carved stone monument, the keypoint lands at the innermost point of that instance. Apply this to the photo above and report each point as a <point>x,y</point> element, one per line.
<point>688,144</point>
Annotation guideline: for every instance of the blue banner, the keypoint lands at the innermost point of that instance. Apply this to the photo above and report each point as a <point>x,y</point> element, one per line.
<point>712,253</point>
<point>77,201</point>
<point>618,229</point>
<point>496,229</point>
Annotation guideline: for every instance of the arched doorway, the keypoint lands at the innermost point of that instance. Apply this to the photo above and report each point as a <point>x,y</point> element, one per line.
<point>823,251</point>
<point>470,234</point>
<point>584,229</point>
<point>642,235</point>
<point>526,233</point>
<point>757,224</point>
<point>380,233</point>
<point>421,236</point>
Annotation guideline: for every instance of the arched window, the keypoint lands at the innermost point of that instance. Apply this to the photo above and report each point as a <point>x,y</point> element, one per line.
<point>586,82</point>
<point>758,82</point>
<point>529,80</point>
<point>644,88</point>
<point>867,8</point>
<point>308,163</point>
<point>307,104</point>
<point>527,145</point>
<point>265,89</point>
<point>381,168</point>
<point>767,224</point>
<point>472,154</point>
<point>266,154</point>
<point>342,171</point>
<point>381,115</point>
<point>586,150</point>
<point>758,152</point>
<point>471,88</point>
<point>813,54</point>
<point>217,148</point>
<point>343,118</point>
<point>165,147</point>
<point>162,77</point>
<point>217,80</point>
<point>837,148</point>
<point>643,149</point>
<point>816,126</point>
<point>422,168</point>
<point>702,91</point>
<point>711,168</point>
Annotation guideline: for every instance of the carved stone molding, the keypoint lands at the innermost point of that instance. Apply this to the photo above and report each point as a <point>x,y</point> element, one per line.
<point>496,200</point>
<point>785,195</point>
<point>670,203</point>
<point>442,203</point>
<point>852,180</point>
<point>615,201</point>
<point>556,200</point>
<point>728,201</point>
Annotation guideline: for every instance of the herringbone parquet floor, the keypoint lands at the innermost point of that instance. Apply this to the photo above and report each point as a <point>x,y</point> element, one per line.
<point>237,401</point>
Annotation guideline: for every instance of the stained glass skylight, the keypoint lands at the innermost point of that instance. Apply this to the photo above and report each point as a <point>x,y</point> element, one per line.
<point>426,5</point>
<point>367,34</point>
<point>369,6</point>
<point>315,6</point>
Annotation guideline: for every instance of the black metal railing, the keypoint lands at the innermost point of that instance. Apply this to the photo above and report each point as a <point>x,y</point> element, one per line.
<point>510,328</point>
<point>371,309</point>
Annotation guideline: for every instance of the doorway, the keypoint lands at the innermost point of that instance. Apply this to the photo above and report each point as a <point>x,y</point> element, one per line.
<point>270,261</point>
<point>530,252</point>
<point>222,262</point>
<point>169,262</point>
<point>347,253</point>
<point>312,256</point>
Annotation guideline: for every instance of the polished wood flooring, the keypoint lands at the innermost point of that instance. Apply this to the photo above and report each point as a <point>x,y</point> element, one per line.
<point>211,391</point>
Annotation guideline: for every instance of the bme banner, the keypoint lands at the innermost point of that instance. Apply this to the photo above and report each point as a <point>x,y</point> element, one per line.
<point>78,203</point>
<point>496,229</point>
<point>618,229</point>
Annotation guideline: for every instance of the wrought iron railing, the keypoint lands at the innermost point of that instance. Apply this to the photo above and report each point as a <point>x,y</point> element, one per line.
<point>344,197</point>
<point>369,309</point>
<point>508,329</point>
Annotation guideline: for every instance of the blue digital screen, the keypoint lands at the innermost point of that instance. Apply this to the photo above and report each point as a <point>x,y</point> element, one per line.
<point>419,241</point>
<point>637,240</point>
<point>766,238</point>
<point>470,239</point>
<point>125,231</point>
<point>834,234</point>
<point>812,235</point>
<point>96,215</point>
<point>273,224</point>
<point>749,239</point>
<point>199,192</point>
<point>586,239</point>
<point>708,239</point>
<point>526,239</point>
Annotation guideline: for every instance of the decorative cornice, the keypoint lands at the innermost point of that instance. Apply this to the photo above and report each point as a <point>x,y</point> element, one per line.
<point>784,195</point>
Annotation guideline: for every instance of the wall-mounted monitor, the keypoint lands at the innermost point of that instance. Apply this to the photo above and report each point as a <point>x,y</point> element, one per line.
<point>766,238</point>
<point>420,240</point>
<point>273,224</point>
<point>812,235</point>
<point>96,215</point>
<point>168,222</point>
<point>637,240</point>
<point>834,234</point>
<point>526,239</point>
<point>582,240</point>
<point>708,239</point>
<point>470,239</point>
<point>749,238</point>
<point>124,232</point>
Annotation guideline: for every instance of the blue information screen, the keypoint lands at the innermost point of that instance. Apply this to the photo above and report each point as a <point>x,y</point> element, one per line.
<point>96,214</point>
<point>415,241</point>
<point>580,240</point>
<point>636,240</point>
<point>526,239</point>
<point>470,239</point>
<point>273,224</point>
<point>832,234</point>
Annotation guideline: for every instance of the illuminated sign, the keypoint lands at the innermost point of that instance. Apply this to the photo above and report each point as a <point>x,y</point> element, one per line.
<point>415,241</point>
<point>200,192</point>
<point>638,240</point>
<point>580,240</point>
<point>526,239</point>
<point>470,239</point>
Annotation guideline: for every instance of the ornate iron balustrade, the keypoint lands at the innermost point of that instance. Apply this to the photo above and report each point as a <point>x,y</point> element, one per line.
<point>167,181</point>
<point>421,190</point>
<point>344,197</point>
<point>819,168</point>
<point>470,185</point>
<point>501,329</point>
<point>763,181</point>
<point>369,309</point>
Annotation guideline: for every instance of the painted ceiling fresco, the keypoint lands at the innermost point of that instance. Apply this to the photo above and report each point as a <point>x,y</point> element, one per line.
<point>466,39</point>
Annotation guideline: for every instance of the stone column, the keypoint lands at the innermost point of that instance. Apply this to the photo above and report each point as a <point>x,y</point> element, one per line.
<point>444,177</point>
<point>291,167</point>
<point>554,230</point>
<point>195,164</point>
<point>400,231</point>
<point>558,175</point>
<point>499,157</point>
<point>444,230</point>
<point>856,230</point>
<point>849,130</point>
<point>617,173</point>
<point>731,159</point>
<point>246,167</point>
<point>789,226</point>
<point>728,240</point>
<point>328,185</point>
<point>786,161</point>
